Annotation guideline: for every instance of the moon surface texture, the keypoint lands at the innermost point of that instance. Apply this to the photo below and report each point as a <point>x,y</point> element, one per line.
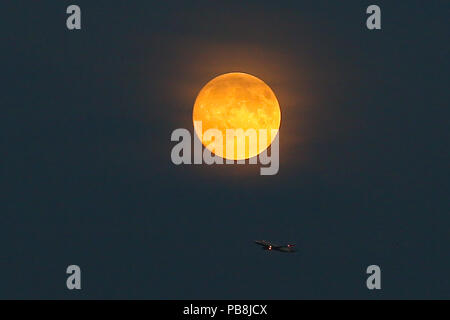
<point>236,101</point>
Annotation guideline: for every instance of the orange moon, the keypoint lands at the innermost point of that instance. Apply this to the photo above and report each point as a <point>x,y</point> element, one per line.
<point>237,101</point>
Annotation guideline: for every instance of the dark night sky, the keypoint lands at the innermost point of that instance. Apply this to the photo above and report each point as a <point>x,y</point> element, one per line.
<point>86,171</point>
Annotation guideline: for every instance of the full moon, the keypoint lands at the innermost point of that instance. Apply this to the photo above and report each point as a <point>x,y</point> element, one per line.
<point>237,101</point>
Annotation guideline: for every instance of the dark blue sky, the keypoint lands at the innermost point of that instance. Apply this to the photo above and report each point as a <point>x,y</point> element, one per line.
<point>86,171</point>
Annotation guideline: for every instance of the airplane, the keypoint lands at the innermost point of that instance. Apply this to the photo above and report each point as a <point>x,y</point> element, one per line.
<point>271,246</point>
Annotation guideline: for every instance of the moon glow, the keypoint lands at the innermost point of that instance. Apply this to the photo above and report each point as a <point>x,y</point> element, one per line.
<point>236,101</point>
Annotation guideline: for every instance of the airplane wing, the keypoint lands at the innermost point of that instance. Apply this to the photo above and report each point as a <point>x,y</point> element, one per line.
<point>266,243</point>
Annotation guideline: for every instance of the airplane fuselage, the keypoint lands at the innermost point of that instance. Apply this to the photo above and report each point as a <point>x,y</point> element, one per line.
<point>274,247</point>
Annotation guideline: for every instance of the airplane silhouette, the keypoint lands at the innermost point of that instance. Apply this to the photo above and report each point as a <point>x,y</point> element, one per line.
<point>271,246</point>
